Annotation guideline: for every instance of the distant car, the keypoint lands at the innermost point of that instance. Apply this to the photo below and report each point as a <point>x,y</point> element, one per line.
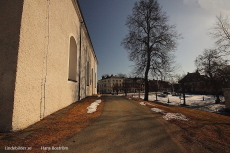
<point>176,94</point>
<point>166,93</point>
<point>162,95</point>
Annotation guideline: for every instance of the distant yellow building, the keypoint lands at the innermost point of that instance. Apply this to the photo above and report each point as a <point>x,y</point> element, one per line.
<point>47,60</point>
<point>106,84</point>
<point>114,84</point>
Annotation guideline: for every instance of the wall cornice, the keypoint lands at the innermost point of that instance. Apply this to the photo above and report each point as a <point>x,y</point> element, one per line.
<point>81,20</point>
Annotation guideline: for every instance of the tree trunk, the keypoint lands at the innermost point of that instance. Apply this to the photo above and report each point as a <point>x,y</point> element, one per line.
<point>146,88</point>
<point>147,82</point>
<point>183,90</point>
<point>184,99</point>
<point>217,97</point>
<point>146,79</point>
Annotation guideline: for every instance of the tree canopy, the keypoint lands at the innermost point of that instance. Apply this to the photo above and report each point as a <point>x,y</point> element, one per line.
<point>150,40</point>
<point>221,32</point>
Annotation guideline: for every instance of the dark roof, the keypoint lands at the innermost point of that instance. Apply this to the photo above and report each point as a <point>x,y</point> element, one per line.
<point>192,77</point>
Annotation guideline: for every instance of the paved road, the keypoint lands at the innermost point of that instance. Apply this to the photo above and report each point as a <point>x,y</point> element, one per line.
<point>124,127</point>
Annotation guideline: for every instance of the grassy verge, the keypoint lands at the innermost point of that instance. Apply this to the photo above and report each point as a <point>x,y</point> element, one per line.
<point>211,130</point>
<point>54,129</point>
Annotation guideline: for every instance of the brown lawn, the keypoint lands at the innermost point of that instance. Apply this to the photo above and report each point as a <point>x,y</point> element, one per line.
<point>204,129</point>
<point>210,130</point>
<point>56,128</point>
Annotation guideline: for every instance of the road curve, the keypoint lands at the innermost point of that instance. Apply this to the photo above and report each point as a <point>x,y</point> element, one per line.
<point>124,127</point>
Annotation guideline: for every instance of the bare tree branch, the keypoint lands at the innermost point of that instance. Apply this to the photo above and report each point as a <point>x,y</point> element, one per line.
<point>150,41</point>
<point>221,32</point>
<point>213,66</point>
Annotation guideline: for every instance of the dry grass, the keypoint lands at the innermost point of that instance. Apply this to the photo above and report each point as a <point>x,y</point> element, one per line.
<point>211,130</point>
<point>52,131</point>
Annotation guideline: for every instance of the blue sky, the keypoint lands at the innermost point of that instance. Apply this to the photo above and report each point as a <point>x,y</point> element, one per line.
<point>105,20</point>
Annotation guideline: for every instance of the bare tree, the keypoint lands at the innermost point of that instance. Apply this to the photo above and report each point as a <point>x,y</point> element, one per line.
<point>150,40</point>
<point>116,88</point>
<point>213,65</point>
<point>105,75</point>
<point>125,86</point>
<point>121,75</point>
<point>221,32</point>
<point>139,85</point>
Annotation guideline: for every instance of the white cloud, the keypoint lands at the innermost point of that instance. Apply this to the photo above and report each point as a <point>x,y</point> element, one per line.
<point>189,2</point>
<point>215,4</point>
<point>211,5</point>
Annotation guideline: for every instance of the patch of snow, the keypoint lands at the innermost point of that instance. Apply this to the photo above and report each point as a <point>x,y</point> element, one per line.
<point>93,107</point>
<point>157,110</point>
<point>177,116</point>
<point>194,101</point>
<point>143,103</point>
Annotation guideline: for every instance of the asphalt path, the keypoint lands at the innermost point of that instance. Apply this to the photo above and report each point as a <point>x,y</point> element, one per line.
<point>124,127</point>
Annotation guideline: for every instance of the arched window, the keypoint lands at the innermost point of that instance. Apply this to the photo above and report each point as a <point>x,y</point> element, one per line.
<point>92,81</point>
<point>88,74</point>
<point>95,80</point>
<point>72,76</point>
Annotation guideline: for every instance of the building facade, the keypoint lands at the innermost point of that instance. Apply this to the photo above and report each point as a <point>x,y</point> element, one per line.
<point>133,85</point>
<point>47,60</point>
<point>159,86</point>
<point>114,85</point>
<point>108,85</point>
<point>193,83</point>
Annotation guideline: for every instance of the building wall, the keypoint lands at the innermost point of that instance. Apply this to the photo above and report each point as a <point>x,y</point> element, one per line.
<point>10,19</point>
<point>113,84</point>
<point>106,85</point>
<point>42,86</point>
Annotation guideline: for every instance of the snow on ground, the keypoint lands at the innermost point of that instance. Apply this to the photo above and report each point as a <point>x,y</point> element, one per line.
<point>177,116</point>
<point>157,110</point>
<point>146,103</point>
<point>195,101</point>
<point>93,107</point>
<point>142,103</point>
<point>167,116</point>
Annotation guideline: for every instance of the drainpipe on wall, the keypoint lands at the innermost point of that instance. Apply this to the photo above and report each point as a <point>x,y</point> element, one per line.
<point>43,100</point>
<point>79,77</point>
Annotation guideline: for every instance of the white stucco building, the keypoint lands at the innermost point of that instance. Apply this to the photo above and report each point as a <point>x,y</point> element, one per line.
<point>47,60</point>
<point>106,84</point>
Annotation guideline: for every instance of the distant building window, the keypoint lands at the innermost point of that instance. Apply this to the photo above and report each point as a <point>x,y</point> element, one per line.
<point>72,76</point>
